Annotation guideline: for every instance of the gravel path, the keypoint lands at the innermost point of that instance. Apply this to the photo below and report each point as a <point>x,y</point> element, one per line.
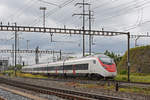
<point>10,96</point>
<point>30,94</point>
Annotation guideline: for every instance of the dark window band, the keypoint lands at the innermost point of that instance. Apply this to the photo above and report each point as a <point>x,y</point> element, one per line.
<point>65,67</point>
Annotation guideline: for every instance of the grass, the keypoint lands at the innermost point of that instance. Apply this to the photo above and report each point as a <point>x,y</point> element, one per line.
<point>11,73</point>
<point>134,78</point>
<point>30,75</point>
<point>136,90</point>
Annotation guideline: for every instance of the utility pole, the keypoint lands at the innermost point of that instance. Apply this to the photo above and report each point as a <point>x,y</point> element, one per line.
<point>128,58</point>
<point>83,27</point>
<point>60,54</point>
<point>13,54</point>
<point>37,55</point>
<point>27,44</point>
<point>18,45</point>
<point>90,43</point>
<point>53,56</point>
<point>44,9</point>
<point>51,36</point>
<point>15,48</point>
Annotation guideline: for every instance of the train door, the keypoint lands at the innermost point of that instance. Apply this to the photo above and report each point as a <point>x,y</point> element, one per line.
<point>92,67</point>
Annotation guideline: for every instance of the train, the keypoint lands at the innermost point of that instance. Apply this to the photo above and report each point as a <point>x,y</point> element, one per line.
<point>100,66</point>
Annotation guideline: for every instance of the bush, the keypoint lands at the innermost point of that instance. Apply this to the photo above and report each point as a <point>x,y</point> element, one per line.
<point>123,72</point>
<point>124,78</point>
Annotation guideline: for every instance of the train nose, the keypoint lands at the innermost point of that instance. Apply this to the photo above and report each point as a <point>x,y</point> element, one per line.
<point>111,68</point>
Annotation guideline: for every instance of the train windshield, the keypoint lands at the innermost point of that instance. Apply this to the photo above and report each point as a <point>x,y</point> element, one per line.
<point>106,60</point>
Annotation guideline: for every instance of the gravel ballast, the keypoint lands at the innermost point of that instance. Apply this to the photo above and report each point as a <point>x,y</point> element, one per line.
<point>11,96</point>
<point>73,86</point>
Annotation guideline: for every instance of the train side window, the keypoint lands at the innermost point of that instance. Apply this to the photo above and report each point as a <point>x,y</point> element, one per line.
<point>94,61</point>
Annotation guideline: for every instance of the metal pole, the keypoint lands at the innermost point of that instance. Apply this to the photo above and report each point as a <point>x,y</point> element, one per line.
<point>28,44</point>
<point>36,55</point>
<point>89,30</point>
<point>60,54</point>
<point>15,48</point>
<point>53,55</point>
<point>43,8</point>
<point>83,29</point>
<point>136,41</point>
<point>44,18</point>
<point>128,58</point>
<point>13,54</point>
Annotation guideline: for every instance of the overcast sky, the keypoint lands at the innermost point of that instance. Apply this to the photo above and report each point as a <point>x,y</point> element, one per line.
<point>112,15</point>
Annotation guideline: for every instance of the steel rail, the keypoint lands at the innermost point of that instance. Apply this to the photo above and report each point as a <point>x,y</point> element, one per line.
<point>67,94</point>
<point>88,81</point>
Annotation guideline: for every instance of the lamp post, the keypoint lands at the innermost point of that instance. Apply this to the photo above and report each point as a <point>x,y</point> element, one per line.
<point>44,9</point>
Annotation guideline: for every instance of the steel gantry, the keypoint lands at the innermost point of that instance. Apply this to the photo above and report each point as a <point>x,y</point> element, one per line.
<point>69,31</point>
<point>58,30</point>
<point>36,52</point>
<point>28,51</point>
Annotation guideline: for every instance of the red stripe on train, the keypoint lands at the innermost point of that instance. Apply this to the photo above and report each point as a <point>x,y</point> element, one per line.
<point>109,68</point>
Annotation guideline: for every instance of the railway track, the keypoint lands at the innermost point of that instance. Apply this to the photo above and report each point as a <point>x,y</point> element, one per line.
<point>67,94</point>
<point>102,82</point>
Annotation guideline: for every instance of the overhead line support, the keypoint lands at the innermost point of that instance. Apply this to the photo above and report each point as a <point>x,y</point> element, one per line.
<point>128,57</point>
<point>83,14</point>
<point>59,30</point>
<point>138,37</point>
<point>15,48</point>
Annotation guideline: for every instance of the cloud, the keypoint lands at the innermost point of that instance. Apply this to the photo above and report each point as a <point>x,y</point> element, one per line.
<point>112,15</point>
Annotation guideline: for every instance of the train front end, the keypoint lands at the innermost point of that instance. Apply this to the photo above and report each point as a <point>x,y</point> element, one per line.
<point>108,65</point>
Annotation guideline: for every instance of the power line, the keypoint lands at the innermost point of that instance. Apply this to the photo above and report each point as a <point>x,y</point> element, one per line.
<point>138,22</point>
<point>49,3</point>
<point>102,4</point>
<point>125,10</point>
<point>122,6</point>
<point>19,11</point>
<point>53,11</point>
<point>133,27</point>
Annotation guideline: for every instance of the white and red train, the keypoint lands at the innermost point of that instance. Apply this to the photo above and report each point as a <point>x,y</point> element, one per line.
<point>99,65</point>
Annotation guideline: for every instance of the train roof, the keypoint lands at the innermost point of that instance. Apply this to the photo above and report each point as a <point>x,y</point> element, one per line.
<point>61,61</point>
<point>101,55</point>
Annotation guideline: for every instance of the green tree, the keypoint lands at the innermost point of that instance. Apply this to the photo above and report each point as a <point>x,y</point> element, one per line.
<point>114,56</point>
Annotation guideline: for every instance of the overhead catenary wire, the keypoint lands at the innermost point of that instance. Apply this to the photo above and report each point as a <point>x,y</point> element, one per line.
<point>137,7</point>
<point>49,3</point>
<point>120,7</point>
<point>102,4</point>
<point>138,22</point>
<point>54,10</point>
<point>19,11</point>
<point>125,10</point>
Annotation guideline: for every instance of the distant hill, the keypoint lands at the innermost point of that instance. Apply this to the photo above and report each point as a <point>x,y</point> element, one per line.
<point>139,60</point>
